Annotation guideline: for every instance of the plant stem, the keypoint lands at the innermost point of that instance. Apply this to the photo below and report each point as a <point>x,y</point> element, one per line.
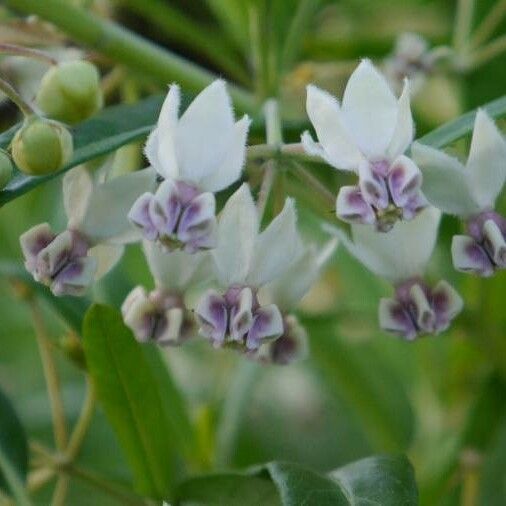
<point>488,52</point>
<point>60,491</point>
<point>13,481</point>
<point>237,399</point>
<point>260,151</point>
<point>13,95</point>
<point>27,52</point>
<point>314,183</point>
<point>84,421</point>
<point>52,379</point>
<point>40,477</point>
<point>463,24</point>
<point>126,47</point>
<point>177,26</point>
<point>488,26</point>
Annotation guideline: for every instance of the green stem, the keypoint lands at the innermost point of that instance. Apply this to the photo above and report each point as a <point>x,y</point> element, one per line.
<point>26,52</point>
<point>488,26</point>
<point>177,26</point>
<point>13,481</point>
<point>60,491</point>
<point>488,52</point>
<point>237,400</point>
<point>126,47</point>
<point>463,24</point>
<point>13,95</point>
<point>261,151</point>
<point>315,184</point>
<point>52,379</point>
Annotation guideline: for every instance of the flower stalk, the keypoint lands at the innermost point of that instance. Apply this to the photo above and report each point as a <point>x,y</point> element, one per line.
<point>16,98</point>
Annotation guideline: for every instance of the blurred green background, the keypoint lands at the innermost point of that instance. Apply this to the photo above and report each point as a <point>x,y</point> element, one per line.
<point>441,400</point>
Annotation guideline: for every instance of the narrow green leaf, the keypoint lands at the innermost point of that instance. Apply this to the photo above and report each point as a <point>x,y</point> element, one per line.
<point>70,309</point>
<point>131,398</point>
<point>379,400</point>
<point>13,452</point>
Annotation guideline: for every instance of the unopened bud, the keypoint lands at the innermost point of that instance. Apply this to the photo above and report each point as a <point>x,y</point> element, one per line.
<point>41,147</point>
<point>5,168</point>
<point>70,91</point>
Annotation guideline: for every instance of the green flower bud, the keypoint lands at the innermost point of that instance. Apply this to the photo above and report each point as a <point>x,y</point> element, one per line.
<point>41,146</point>
<point>5,168</point>
<point>70,92</point>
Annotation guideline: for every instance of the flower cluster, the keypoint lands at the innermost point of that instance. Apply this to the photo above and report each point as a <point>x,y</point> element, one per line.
<point>236,283</point>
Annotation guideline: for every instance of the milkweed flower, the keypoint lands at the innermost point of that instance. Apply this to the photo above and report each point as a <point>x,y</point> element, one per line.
<point>70,261</point>
<point>368,134</point>
<point>198,154</point>
<point>470,191</point>
<point>161,315</point>
<point>286,292</point>
<point>401,257</point>
<point>246,259</point>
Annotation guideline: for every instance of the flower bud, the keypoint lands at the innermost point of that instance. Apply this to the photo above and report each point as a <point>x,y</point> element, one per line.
<point>5,168</point>
<point>70,92</point>
<point>41,146</point>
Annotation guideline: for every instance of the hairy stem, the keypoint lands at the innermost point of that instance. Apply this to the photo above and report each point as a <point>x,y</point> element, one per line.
<point>126,47</point>
<point>51,375</point>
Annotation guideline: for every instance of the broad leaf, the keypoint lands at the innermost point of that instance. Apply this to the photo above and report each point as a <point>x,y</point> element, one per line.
<point>364,383</point>
<point>380,480</point>
<point>13,452</point>
<point>132,400</point>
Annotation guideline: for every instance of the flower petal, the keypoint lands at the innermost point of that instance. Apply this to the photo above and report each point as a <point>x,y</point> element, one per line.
<point>77,191</point>
<point>165,208</point>
<point>241,316</point>
<point>33,241</point>
<point>370,110</point>
<point>445,182</point>
<point>137,312</point>
<point>204,133</point>
<point>160,147</point>
<point>237,234</point>
<point>494,243</point>
<point>469,256</point>
<point>231,166</point>
<point>404,130</point>
<point>404,180</point>
<point>447,304</point>
<point>212,316</point>
<point>276,247</point>
<point>140,216</point>
<point>107,256</point>
<point>394,318</point>
<point>351,207</point>
<point>372,187</point>
<point>325,115</point>
<point>267,326</point>
<point>197,221</point>
<point>486,164</point>
<point>75,278</point>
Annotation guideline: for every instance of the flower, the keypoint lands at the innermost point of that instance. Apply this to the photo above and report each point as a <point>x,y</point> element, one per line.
<point>401,257</point>
<point>245,260</point>
<point>286,291</point>
<point>197,155</point>
<point>90,246</point>
<point>368,134</point>
<point>470,192</point>
<point>161,315</point>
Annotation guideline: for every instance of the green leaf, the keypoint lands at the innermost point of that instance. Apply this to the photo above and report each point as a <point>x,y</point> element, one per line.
<point>364,383</point>
<point>230,489</point>
<point>70,309</point>
<point>13,452</point>
<point>132,400</point>
<point>379,480</point>
<point>102,134</point>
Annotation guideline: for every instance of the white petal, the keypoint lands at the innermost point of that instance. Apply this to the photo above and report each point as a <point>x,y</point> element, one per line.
<point>404,131</point>
<point>177,269</point>
<point>107,216</point>
<point>325,115</point>
<point>107,256</point>
<point>161,144</point>
<point>204,133</point>
<point>287,290</point>
<point>276,247</point>
<point>231,166</point>
<point>445,182</point>
<point>237,233</point>
<point>77,190</point>
<point>370,110</point>
<point>486,164</point>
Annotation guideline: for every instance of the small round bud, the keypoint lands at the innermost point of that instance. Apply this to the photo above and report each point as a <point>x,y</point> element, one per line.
<point>5,168</point>
<point>70,91</point>
<point>41,146</point>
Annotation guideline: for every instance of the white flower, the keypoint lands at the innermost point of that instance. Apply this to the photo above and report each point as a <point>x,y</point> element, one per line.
<point>246,259</point>
<point>401,257</point>
<point>198,154</point>
<point>368,134</point>
<point>470,191</point>
<point>97,226</point>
